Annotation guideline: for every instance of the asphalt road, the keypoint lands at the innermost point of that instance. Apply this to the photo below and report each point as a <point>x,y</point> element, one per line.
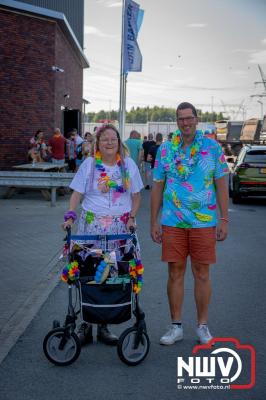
<point>237,310</point>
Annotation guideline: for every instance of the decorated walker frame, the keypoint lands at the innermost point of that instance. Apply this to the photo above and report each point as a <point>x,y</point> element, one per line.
<point>101,295</point>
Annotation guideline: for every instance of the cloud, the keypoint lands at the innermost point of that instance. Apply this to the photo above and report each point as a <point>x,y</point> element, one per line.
<point>173,67</point>
<point>196,25</point>
<point>116,4</point>
<point>244,50</point>
<point>239,72</point>
<point>147,87</point>
<point>258,58</point>
<point>185,81</point>
<point>92,30</point>
<point>263,41</point>
<point>103,79</point>
<point>208,88</point>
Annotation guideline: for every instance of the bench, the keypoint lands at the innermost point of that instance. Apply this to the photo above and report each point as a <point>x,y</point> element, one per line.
<point>45,181</point>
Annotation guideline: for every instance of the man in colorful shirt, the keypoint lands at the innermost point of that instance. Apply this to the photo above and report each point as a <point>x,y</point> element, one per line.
<point>189,179</point>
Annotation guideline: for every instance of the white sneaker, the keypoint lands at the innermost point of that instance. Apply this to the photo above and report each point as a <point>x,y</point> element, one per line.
<point>203,334</point>
<point>174,334</point>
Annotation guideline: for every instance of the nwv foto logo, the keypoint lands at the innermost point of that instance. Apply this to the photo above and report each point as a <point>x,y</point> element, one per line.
<point>221,366</point>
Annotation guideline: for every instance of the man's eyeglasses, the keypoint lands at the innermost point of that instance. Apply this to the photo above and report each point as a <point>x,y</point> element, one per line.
<point>185,119</point>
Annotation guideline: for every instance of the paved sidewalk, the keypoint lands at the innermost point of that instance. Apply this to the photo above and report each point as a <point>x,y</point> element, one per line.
<point>31,241</point>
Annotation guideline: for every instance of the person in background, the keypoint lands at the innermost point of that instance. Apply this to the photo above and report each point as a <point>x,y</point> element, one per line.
<point>170,135</point>
<point>38,148</point>
<point>87,145</point>
<point>110,184</point>
<point>71,152</point>
<point>189,183</point>
<point>78,138</point>
<point>147,165</point>
<point>78,143</point>
<point>134,145</point>
<point>57,146</point>
<point>153,151</point>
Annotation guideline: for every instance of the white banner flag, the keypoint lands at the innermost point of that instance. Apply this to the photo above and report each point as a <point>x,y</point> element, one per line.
<point>133,19</point>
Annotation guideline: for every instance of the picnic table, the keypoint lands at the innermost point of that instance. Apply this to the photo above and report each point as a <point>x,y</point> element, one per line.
<point>42,166</point>
<point>46,177</point>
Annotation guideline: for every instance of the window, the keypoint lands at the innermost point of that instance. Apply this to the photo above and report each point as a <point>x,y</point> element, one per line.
<point>256,156</point>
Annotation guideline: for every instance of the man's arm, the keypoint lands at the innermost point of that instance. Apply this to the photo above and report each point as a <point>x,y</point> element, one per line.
<point>156,203</point>
<point>223,201</point>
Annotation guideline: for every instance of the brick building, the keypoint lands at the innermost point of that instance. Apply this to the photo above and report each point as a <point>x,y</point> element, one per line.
<point>73,10</point>
<point>41,62</point>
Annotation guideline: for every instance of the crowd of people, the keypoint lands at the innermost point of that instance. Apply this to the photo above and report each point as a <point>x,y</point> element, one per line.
<point>187,173</point>
<point>71,150</point>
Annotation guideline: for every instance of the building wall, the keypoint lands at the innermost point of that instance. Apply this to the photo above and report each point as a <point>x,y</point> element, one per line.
<point>26,83</point>
<point>30,91</point>
<point>73,10</point>
<point>70,81</point>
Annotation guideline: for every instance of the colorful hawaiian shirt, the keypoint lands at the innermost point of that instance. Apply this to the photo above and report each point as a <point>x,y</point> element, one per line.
<point>189,199</point>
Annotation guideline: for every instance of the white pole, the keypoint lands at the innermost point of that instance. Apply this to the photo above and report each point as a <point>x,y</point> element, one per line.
<point>122,99</point>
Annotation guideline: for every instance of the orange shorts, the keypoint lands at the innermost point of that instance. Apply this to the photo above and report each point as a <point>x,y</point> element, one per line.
<point>199,243</point>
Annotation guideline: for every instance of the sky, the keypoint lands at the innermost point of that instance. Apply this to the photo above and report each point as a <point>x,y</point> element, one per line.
<point>202,51</point>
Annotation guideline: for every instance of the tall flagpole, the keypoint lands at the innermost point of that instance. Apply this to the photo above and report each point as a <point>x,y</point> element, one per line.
<point>122,99</point>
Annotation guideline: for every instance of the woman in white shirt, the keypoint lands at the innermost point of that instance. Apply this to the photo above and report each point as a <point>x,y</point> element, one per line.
<point>110,184</point>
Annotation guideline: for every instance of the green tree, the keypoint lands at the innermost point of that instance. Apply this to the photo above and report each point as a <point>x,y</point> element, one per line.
<point>140,115</point>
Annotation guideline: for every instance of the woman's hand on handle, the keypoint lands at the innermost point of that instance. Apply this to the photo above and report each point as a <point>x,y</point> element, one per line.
<point>70,216</point>
<point>131,224</point>
<point>67,224</point>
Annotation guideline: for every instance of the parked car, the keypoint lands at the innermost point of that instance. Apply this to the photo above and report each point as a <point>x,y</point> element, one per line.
<point>248,174</point>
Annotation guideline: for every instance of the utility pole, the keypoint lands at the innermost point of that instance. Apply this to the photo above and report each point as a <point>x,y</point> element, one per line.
<point>261,108</point>
<point>110,102</point>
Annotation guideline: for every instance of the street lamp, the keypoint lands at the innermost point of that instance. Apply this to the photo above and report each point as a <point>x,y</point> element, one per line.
<point>84,102</point>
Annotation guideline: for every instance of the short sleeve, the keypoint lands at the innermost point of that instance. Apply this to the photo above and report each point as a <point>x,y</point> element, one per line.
<point>221,167</point>
<point>159,171</point>
<point>136,183</point>
<point>82,176</point>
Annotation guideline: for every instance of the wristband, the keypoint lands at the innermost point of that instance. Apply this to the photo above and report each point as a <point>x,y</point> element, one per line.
<point>70,214</point>
<point>224,219</point>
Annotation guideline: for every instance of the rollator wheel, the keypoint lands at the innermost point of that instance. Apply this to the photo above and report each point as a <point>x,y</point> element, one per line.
<point>60,349</point>
<point>126,343</point>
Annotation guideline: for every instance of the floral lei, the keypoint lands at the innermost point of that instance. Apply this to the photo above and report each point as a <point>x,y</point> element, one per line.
<point>136,270</point>
<point>105,179</point>
<point>184,170</point>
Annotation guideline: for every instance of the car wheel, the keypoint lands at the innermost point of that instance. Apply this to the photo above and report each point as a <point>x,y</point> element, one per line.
<point>236,198</point>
